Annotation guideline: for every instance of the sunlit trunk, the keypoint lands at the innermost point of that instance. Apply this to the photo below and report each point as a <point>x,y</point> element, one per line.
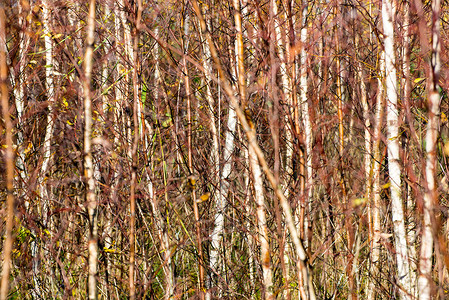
<point>138,132</point>
<point>262,224</point>
<point>8,158</point>
<point>265,258</point>
<point>217,251</point>
<point>367,154</point>
<point>375,204</point>
<point>397,212</point>
<point>304,107</point>
<point>431,193</point>
<point>49,81</point>
<point>91,201</point>
<point>46,149</point>
<point>19,89</point>
<point>406,99</point>
<point>189,154</point>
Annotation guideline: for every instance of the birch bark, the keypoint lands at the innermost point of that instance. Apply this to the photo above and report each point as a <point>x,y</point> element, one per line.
<point>216,262</point>
<point>260,156</point>
<point>400,238</point>
<point>407,91</point>
<point>431,193</point>
<point>368,153</point>
<point>304,108</point>
<point>189,147</point>
<point>375,205</point>
<point>288,75</point>
<point>137,121</point>
<point>19,97</point>
<point>20,84</point>
<point>108,110</point>
<point>46,149</point>
<point>91,201</point>
<point>49,82</point>
<point>254,165</point>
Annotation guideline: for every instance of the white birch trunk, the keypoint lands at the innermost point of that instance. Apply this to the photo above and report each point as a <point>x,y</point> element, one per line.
<point>262,224</point>
<point>220,201</point>
<point>251,240</point>
<point>74,21</point>
<point>97,174</point>
<point>19,91</point>
<point>287,62</point>
<point>114,111</point>
<point>304,108</point>
<point>367,158</point>
<point>284,58</point>
<point>265,258</point>
<point>105,72</point>
<point>162,232</point>
<point>252,141</point>
<point>129,52</point>
<point>91,202</point>
<point>431,194</point>
<point>19,97</point>
<point>376,190</point>
<point>406,87</point>
<point>49,82</point>
<point>46,152</point>
<point>400,237</point>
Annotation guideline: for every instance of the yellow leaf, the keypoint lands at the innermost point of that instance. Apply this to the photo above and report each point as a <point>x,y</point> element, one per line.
<point>443,117</point>
<point>393,138</point>
<point>16,252</point>
<point>203,198</point>
<point>358,201</point>
<point>417,80</point>
<point>95,115</point>
<point>28,149</point>
<point>192,182</point>
<point>386,185</point>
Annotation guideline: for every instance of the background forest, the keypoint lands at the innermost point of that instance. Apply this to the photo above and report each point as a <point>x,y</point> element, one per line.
<point>235,149</point>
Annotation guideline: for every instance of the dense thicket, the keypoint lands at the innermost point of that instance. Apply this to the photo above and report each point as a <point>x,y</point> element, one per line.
<point>220,132</point>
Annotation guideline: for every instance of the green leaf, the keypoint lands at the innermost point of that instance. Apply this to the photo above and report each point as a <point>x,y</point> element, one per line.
<point>144,94</point>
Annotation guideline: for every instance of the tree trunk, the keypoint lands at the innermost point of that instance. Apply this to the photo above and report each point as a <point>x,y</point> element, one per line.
<point>306,206</point>
<point>258,152</point>
<point>217,247</point>
<point>137,122</point>
<point>9,162</point>
<point>400,238</point>
<point>431,193</point>
<point>91,201</point>
<point>375,205</point>
<point>190,161</point>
